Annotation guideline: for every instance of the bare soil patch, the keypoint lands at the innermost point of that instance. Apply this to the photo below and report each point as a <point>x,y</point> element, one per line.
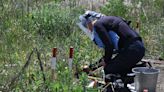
<point>160,83</point>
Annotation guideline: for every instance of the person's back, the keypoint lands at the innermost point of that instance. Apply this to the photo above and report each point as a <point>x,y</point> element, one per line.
<point>130,44</point>
<point>117,25</point>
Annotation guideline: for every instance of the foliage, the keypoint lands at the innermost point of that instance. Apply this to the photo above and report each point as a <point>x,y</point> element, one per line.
<point>52,21</point>
<point>115,8</point>
<point>28,24</point>
<point>43,27</point>
<point>148,14</point>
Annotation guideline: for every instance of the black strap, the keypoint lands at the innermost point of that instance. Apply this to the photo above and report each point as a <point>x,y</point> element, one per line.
<point>130,41</point>
<point>135,39</point>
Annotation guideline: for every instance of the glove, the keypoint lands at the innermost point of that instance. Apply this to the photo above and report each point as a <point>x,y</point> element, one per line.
<point>97,64</point>
<point>102,62</point>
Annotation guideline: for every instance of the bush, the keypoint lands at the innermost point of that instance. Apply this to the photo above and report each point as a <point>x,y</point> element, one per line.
<point>115,8</point>
<point>52,20</point>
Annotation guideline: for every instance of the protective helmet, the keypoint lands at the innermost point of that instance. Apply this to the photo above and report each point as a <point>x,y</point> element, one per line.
<point>89,16</point>
<point>93,14</point>
<point>86,18</point>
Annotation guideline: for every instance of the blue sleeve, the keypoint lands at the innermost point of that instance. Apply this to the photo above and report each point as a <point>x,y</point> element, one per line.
<point>105,38</point>
<point>114,37</point>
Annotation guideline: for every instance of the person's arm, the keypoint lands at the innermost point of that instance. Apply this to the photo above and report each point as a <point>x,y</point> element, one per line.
<point>103,34</point>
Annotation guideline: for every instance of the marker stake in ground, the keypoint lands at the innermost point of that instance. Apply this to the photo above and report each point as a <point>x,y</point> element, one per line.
<point>53,63</point>
<point>70,57</point>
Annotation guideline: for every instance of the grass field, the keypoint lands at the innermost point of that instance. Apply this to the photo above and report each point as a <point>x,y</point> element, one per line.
<point>30,29</point>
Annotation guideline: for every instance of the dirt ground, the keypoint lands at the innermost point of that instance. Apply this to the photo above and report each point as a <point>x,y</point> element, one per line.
<point>160,83</point>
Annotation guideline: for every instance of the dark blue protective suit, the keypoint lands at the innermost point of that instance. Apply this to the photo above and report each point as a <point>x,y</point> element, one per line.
<point>130,46</point>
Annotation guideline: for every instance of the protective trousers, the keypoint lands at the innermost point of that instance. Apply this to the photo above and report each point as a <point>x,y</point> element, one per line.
<point>126,59</point>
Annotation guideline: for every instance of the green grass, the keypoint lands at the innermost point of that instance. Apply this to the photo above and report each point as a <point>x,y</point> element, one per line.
<point>45,25</point>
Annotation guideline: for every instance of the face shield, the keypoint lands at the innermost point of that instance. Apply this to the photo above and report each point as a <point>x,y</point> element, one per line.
<point>89,33</point>
<point>85,19</point>
<point>83,26</point>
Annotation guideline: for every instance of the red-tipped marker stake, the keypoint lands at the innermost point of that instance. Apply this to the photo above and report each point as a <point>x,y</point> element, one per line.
<point>54,51</point>
<point>53,59</point>
<point>137,27</point>
<point>53,63</point>
<point>70,57</point>
<point>145,90</point>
